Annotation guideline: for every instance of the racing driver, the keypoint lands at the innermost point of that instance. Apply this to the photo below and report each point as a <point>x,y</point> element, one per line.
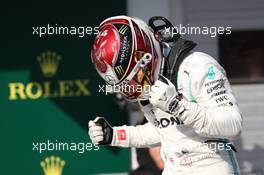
<point>184,95</point>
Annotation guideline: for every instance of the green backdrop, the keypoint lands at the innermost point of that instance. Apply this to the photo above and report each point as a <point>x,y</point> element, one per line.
<point>48,101</point>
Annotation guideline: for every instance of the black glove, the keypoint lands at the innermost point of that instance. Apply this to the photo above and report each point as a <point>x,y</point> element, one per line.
<point>100,131</point>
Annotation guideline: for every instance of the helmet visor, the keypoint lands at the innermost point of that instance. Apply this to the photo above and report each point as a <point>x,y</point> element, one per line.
<point>137,84</point>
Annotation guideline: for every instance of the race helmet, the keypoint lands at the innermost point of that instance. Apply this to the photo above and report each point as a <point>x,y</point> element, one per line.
<point>127,56</point>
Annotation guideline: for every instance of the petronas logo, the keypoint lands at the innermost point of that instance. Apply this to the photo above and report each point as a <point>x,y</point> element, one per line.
<point>52,165</point>
<point>123,29</point>
<point>49,62</point>
<point>119,70</point>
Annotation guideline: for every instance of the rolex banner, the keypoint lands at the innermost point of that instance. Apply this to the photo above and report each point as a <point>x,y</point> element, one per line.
<point>49,90</point>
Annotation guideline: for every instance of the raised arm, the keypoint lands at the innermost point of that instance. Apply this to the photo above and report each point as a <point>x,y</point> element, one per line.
<point>101,132</point>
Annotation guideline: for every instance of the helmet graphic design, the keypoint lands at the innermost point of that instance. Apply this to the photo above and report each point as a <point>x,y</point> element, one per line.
<point>126,55</point>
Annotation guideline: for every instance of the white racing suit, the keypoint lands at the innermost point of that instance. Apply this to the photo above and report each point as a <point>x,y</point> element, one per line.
<point>209,112</point>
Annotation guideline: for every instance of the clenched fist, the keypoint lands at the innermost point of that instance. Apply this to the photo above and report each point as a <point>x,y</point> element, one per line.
<point>164,96</point>
<point>100,131</point>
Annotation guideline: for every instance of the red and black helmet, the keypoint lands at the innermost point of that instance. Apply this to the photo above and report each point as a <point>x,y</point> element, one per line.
<point>126,54</point>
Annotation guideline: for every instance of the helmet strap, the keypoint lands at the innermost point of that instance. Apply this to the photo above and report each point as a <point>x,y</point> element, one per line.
<point>179,47</point>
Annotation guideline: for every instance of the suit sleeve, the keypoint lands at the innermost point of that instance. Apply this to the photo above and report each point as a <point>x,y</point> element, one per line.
<point>212,110</point>
<point>136,136</point>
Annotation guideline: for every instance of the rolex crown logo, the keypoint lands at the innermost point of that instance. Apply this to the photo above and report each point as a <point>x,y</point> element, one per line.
<point>52,165</point>
<point>49,62</point>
